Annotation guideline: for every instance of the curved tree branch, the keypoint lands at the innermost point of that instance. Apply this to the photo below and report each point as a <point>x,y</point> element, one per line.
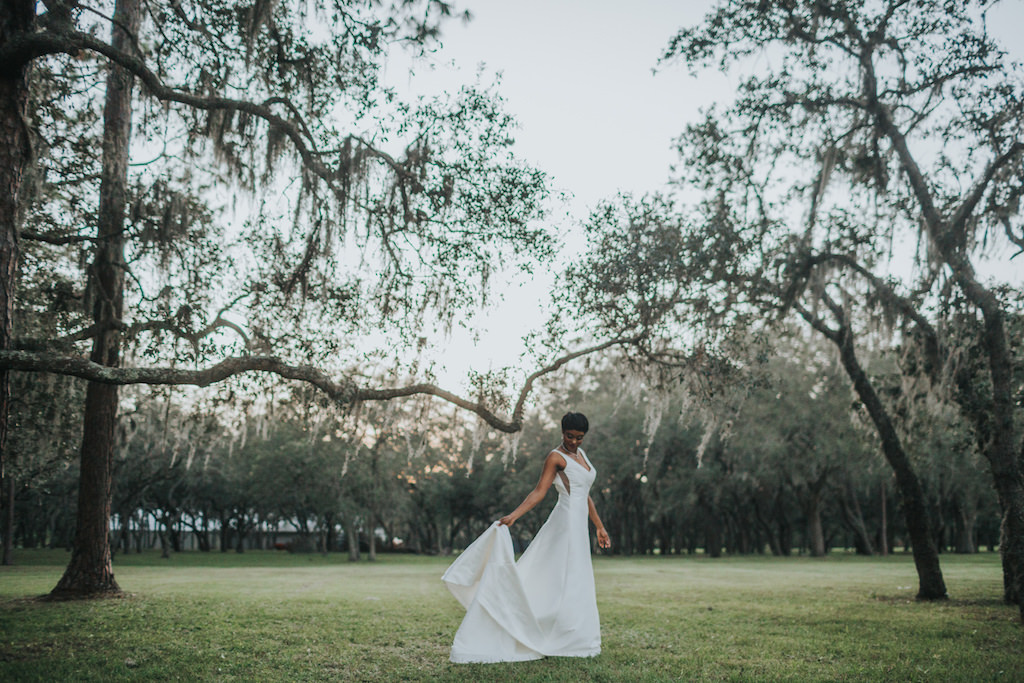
<point>192,338</point>
<point>883,288</point>
<point>343,391</point>
<point>517,412</point>
<point>817,323</point>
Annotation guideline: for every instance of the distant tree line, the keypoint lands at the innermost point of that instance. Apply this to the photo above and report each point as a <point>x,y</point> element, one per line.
<point>792,473</point>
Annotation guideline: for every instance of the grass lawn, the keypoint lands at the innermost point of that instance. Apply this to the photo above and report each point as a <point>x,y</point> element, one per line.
<point>266,616</point>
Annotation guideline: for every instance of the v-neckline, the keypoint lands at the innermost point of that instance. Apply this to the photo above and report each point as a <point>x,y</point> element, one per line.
<point>569,457</point>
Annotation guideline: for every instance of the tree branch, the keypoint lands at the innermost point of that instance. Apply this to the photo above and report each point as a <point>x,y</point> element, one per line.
<point>517,412</point>
<point>344,391</point>
<point>966,208</point>
<point>27,46</point>
<point>881,286</point>
<point>58,240</point>
<point>883,116</point>
<point>192,338</point>
<point>815,321</point>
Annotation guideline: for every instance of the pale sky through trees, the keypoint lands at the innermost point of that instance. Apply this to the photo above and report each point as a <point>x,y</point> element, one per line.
<point>578,76</point>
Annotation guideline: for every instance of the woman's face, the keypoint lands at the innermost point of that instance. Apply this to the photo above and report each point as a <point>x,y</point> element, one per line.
<point>571,439</point>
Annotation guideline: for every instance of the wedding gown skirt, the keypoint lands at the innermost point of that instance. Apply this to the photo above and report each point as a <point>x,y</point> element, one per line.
<point>543,605</point>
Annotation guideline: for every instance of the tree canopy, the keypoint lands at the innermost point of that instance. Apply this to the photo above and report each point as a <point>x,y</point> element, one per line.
<point>865,127</point>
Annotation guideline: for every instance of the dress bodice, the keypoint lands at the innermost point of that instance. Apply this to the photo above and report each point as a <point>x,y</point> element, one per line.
<point>578,477</point>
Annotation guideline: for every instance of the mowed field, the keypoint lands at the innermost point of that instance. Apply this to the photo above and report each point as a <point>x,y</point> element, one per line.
<point>265,616</point>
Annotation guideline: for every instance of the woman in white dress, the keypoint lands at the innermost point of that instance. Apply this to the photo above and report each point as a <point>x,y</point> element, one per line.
<point>544,604</point>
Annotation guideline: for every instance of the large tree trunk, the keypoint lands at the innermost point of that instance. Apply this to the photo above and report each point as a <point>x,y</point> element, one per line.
<point>90,572</point>
<point>996,437</point>
<point>994,426</point>
<point>992,416</point>
<point>16,16</point>
<point>931,585</point>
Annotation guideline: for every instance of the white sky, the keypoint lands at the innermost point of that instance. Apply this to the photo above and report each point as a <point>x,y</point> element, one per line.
<point>577,75</point>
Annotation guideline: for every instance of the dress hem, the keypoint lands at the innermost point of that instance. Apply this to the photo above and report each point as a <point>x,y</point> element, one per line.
<point>491,659</point>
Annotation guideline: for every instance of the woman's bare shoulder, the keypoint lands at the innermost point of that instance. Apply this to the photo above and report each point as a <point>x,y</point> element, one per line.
<point>558,458</point>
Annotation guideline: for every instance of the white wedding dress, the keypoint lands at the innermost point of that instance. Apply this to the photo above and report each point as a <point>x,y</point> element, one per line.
<point>542,605</point>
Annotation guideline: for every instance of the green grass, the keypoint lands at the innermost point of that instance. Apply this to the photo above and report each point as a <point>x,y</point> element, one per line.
<point>279,617</point>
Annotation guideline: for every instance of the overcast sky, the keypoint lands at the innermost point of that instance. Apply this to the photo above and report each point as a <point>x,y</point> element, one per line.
<point>579,76</point>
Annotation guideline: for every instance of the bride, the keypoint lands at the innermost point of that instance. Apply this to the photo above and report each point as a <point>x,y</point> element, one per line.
<point>544,604</point>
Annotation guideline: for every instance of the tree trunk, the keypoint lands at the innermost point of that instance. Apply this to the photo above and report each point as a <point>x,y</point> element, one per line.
<point>883,531</point>
<point>855,520</point>
<point>174,531</point>
<point>712,534</point>
<point>785,529</point>
<point>966,515</point>
<point>766,527</point>
<point>332,534</point>
<point>665,535</point>
<point>815,533</point>
<point>9,490</point>
<point>123,534</point>
<point>931,585</point>
<point>90,572</point>
<point>165,546</point>
<point>203,535</point>
<point>241,532</point>
<point>16,16</point>
<point>764,522</point>
<point>995,434</point>
<point>352,537</point>
<point>225,533</point>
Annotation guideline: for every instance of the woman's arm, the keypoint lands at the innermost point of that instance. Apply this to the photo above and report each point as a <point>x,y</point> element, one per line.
<point>603,539</point>
<point>552,464</point>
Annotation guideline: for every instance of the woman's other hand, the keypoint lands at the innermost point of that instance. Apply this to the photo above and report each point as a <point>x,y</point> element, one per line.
<point>603,540</point>
<point>507,520</point>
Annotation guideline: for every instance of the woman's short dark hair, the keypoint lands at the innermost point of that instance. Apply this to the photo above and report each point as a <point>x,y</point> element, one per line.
<point>575,421</point>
